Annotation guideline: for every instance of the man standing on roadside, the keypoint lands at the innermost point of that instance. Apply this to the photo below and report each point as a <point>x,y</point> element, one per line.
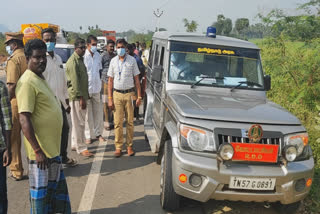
<point>5,146</point>
<point>94,117</point>
<point>106,56</point>
<point>123,78</point>
<point>16,66</point>
<point>56,78</point>
<point>41,122</point>
<point>77,81</point>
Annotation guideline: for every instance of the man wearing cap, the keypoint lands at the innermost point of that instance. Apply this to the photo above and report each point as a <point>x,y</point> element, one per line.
<point>16,65</point>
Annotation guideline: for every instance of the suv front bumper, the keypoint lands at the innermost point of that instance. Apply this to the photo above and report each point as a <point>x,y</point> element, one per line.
<point>216,176</point>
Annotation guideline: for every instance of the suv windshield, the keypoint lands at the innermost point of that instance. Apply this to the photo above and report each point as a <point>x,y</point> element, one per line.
<point>227,66</point>
<point>64,53</point>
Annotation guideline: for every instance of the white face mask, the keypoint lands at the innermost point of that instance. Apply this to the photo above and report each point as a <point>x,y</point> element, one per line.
<point>9,51</point>
<point>121,51</point>
<point>94,49</point>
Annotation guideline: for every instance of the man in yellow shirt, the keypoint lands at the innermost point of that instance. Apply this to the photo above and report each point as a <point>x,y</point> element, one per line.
<point>16,65</point>
<point>41,122</point>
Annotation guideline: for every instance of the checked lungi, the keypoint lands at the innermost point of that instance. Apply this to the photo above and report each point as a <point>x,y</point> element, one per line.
<point>48,188</point>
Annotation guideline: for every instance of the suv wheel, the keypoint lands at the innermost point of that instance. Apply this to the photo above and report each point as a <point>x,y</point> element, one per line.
<point>169,199</point>
<point>288,208</point>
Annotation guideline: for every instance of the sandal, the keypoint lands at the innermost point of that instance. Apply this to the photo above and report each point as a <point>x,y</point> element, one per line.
<point>70,162</point>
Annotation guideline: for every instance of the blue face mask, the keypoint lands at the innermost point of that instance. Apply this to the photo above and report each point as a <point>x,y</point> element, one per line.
<point>9,51</point>
<point>121,51</point>
<point>93,49</point>
<point>50,46</point>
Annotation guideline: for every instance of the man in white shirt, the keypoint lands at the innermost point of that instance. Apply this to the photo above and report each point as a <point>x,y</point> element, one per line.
<point>123,76</point>
<point>56,79</point>
<point>94,117</point>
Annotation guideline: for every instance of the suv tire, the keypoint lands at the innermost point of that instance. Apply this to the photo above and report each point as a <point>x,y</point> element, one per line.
<point>169,199</point>
<point>288,208</point>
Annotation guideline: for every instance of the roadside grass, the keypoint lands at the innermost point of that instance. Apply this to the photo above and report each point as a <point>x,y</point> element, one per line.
<point>312,202</point>
<point>294,68</point>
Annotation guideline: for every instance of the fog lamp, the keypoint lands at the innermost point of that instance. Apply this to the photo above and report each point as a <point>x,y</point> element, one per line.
<point>183,178</point>
<point>195,180</point>
<point>226,151</point>
<point>290,153</point>
<point>309,182</point>
<point>300,185</point>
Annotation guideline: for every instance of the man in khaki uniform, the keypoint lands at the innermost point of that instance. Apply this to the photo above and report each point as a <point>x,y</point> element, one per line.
<point>123,76</point>
<point>16,65</point>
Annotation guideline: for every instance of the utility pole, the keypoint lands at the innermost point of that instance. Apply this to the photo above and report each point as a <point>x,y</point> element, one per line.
<point>158,14</point>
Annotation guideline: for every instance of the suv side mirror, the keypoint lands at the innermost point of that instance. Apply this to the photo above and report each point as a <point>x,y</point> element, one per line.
<point>267,82</point>
<point>157,73</point>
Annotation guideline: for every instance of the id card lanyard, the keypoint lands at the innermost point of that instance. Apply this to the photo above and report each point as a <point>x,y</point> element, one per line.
<point>120,67</point>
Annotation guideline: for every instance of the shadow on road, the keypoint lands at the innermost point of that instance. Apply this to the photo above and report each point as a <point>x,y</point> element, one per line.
<point>112,165</point>
<point>149,204</point>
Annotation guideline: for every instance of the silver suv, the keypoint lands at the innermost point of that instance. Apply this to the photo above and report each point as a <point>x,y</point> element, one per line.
<point>216,134</point>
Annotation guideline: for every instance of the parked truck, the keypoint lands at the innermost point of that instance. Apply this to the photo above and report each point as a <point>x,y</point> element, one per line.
<point>33,31</point>
<point>102,40</point>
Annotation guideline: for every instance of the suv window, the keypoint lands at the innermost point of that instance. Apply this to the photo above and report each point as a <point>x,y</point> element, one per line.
<point>161,56</point>
<point>64,53</point>
<point>226,65</point>
<point>156,57</point>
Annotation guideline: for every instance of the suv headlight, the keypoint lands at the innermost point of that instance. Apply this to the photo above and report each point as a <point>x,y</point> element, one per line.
<point>297,140</point>
<point>196,139</point>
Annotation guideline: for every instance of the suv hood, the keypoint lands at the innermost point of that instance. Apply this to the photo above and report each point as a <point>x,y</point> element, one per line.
<point>233,108</point>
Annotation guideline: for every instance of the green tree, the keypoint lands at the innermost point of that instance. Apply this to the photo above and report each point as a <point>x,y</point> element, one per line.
<point>223,25</point>
<point>190,26</point>
<point>80,28</point>
<point>310,5</point>
<point>241,24</point>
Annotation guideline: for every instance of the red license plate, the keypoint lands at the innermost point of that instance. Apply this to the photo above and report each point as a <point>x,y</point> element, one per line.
<point>255,152</point>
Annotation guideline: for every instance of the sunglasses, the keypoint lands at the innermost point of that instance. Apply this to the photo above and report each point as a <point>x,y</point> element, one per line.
<point>82,47</point>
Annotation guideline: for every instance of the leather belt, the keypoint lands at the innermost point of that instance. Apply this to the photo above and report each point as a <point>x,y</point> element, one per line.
<point>124,91</point>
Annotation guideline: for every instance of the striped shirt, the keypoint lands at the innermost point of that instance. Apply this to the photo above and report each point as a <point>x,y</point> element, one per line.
<point>123,72</point>
<point>5,114</point>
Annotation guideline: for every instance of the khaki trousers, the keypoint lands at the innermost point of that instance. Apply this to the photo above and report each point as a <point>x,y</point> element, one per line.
<point>123,107</point>
<point>78,117</point>
<point>94,117</point>
<point>16,167</point>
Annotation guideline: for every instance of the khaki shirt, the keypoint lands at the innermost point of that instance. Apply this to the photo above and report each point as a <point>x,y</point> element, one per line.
<point>16,66</point>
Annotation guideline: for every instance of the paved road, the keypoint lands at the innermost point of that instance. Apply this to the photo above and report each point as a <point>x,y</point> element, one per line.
<point>104,185</point>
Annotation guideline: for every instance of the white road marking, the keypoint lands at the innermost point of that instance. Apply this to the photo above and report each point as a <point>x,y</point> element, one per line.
<point>90,189</point>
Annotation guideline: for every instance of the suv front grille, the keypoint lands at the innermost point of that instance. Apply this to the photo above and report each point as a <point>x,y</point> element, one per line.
<point>235,136</point>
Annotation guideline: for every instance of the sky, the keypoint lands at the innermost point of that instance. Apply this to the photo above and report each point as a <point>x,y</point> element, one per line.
<point>123,15</point>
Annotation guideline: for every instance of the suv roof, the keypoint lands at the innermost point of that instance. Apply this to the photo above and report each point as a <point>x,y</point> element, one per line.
<point>203,39</point>
<point>64,45</point>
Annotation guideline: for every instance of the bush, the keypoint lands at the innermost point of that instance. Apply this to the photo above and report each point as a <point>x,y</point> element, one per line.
<point>295,71</point>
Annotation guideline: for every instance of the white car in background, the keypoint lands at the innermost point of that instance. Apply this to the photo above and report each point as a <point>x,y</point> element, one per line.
<point>102,42</point>
<point>64,51</point>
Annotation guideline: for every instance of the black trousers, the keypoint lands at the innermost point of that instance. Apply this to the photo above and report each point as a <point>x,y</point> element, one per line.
<point>64,136</point>
<point>3,187</point>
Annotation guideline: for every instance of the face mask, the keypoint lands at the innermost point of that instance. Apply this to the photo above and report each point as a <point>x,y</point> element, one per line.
<point>9,51</point>
<point>121,51</point>
<point>93,49</point>
<point>50,46</point>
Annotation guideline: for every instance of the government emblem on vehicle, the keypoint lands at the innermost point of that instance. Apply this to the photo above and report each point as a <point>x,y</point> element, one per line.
<point>255,133</point>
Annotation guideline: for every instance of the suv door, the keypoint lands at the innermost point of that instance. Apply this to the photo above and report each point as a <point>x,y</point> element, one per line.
<point>158,89</point>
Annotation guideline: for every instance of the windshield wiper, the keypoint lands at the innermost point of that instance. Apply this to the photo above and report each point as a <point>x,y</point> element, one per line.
<point>206,77</point>
<point>249,83</point>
